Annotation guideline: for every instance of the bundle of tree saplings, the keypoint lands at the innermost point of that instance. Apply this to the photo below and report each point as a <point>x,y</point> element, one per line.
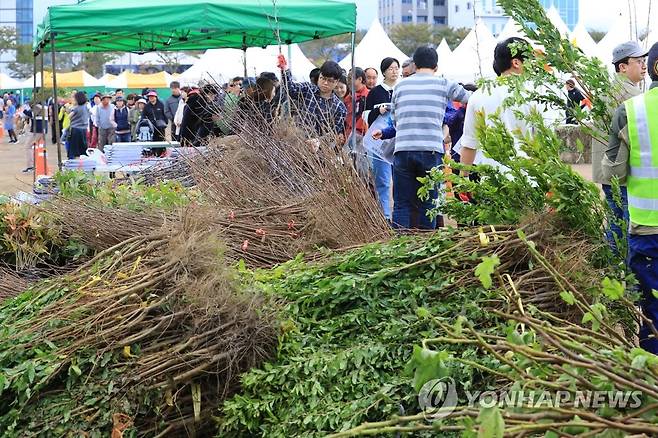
<point>354,318</point>
<point>545,376</point>
<point>269,196</point>
<point>143,340</point>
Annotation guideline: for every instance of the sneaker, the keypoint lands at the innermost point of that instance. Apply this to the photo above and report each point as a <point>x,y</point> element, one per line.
<point>28,169</point>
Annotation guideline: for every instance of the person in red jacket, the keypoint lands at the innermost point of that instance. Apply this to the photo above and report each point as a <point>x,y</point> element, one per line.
<point>361,92</point>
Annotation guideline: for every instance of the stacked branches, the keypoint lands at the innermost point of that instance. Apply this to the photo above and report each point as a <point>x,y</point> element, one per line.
<point>563,367</point>
<point>356,315</point>
<point>269,192</point>
<point>154,330</point>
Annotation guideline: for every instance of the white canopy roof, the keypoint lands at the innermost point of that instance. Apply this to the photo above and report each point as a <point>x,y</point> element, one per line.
<point>375,46</point>
<point>554,16</point>
<point>7,83</point>
<point>581,38</point>
<point>511,29</point>
<point>473,58</point>
<point>222,64</point>
<point>445,56</point>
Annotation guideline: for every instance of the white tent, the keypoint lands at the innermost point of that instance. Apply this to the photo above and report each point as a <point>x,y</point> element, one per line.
<point>106,79</point>
<point>222,64</point>
<point>473,58</point>
<point>581,38</point>
<point>375,46</point>
<point>511,29</point>
<point>7,83</point>
<point>445,56</point>
<point>554,16</point>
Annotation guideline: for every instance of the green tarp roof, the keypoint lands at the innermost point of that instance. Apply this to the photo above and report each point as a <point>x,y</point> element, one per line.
<point>149,25</point>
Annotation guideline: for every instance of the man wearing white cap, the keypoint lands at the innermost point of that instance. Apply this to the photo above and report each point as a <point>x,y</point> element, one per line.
<point>630,61</point>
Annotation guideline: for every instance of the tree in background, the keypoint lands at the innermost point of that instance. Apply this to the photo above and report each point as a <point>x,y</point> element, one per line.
<point>7,39</point>
<point>172,61</point>
<point>93,62</point>
<point>408,37</point>
<point>22,67</point>
<point>597,35</point>
<point>333,48</point>
<point>453,36</point>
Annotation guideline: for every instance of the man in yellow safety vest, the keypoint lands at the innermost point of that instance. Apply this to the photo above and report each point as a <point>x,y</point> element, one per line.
<point>632,156</point>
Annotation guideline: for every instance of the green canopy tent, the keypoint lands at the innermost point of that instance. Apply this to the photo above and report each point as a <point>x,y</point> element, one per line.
<point>175,25</point>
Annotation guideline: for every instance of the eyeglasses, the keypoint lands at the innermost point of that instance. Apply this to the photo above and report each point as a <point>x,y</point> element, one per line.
<point>640,61</point>
<point>330,81</point>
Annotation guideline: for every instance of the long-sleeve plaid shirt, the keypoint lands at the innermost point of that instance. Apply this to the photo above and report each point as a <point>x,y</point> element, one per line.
<point>323,115</point>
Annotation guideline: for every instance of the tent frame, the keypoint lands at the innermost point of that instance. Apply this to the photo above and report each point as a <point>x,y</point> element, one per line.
<point>170,47</point>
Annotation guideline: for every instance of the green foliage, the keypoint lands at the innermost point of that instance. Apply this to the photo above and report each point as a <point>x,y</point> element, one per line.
<point>131,194</point>
<point>492,424</point>
<point>534,180</point>
<point>408,37</point>
<point>426,365</point>
<point>352,321</point>
<point>29,238</point>
<point>485,269</point>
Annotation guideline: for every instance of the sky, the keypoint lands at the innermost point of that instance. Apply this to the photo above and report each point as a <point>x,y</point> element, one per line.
<point>596,14</point>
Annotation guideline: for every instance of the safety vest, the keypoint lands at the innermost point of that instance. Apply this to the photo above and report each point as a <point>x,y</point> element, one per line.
<point>642,180</point>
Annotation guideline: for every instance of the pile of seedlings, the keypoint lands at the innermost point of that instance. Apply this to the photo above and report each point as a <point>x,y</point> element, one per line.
<point>154,330</point>
<point>348,354</point>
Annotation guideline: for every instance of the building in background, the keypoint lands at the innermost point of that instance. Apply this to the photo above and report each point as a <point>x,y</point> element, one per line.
<point>462,13</point>
<point>392,12</point>
<point>568,10</point>
<point>16,14</point>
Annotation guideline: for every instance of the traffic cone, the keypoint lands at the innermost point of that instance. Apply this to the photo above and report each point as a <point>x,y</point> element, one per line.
<point>2,132</point>
<point>41,159</point>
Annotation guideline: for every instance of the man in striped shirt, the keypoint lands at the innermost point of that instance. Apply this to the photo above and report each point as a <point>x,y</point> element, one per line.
<point>418,107</point>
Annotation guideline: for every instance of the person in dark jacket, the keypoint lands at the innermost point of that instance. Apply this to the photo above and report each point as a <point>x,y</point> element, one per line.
<point>121,119</point>
<point>198,116</point>
<point>575,100</point>
<point>154,111</point>
<point>171,106</point>
<point>259,99</point>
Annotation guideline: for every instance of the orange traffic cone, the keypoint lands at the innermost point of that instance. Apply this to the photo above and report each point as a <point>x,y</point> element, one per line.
<point>41,159</point>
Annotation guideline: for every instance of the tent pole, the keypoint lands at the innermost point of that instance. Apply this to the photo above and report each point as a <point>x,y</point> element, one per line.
<point>244,61</point>
<point>55,105</point>
<point>290,57</point>
<point>353,133</point>
<point>34,87</point>
<point>244,53</point>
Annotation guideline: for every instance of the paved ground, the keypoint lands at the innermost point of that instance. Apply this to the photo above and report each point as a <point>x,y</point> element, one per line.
<point>13,159</point>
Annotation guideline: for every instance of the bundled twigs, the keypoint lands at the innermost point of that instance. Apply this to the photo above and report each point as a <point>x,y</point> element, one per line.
<point>158,318</point>
<point>11,284</point>
<point>551,352</point>
<point>270,195</point>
